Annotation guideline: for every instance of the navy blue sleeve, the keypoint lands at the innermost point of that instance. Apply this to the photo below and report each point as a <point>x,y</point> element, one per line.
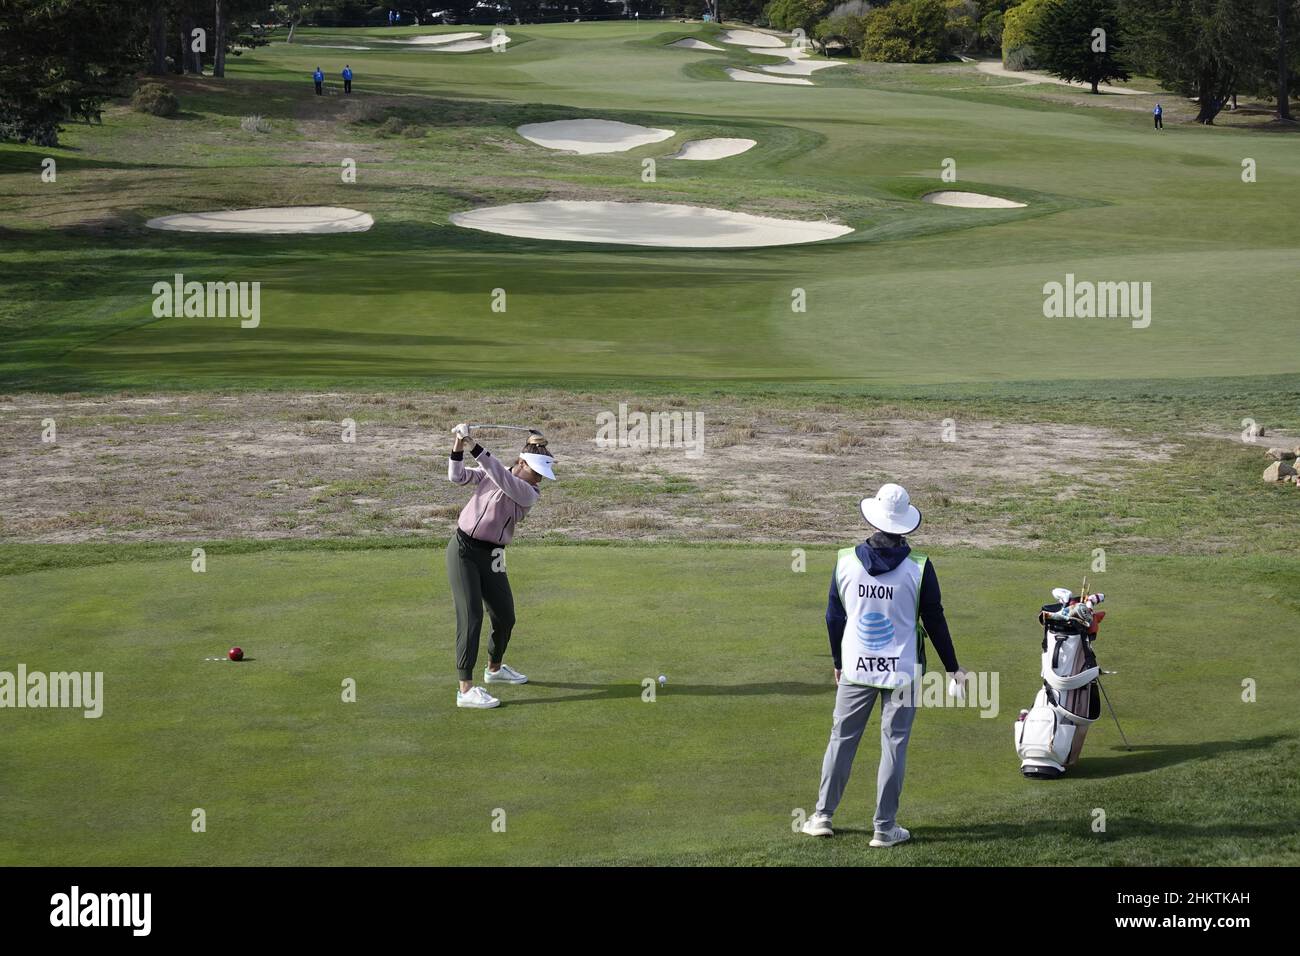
<point>936,625</point>
<point>836,618</point>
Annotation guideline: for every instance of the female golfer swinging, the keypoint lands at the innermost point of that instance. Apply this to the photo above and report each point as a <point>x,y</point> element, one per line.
<point>476,555</point>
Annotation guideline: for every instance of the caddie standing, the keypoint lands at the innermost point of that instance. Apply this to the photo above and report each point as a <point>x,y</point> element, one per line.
<point>884,600</point>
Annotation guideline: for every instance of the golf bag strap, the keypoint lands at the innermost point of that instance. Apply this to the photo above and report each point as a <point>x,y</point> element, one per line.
<point>1081,679</point>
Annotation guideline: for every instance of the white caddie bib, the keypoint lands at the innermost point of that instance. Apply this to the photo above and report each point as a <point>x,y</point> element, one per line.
<point>884,642</point>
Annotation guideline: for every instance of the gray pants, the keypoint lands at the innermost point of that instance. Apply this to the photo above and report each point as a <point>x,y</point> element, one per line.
<point>852,708</point>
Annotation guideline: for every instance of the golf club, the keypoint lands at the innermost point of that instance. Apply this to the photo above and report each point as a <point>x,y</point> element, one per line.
<point>513,428</point>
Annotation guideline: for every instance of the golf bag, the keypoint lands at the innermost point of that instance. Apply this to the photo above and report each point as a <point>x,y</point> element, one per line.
<point>1050,735</point>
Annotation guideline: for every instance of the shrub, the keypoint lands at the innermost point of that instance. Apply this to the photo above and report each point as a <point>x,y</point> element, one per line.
<point>907,31</point>
<point>1018,25</point>
<point>156,100</point>
<point>255,124</point>
<point>847,28</point>
<point>795,14</point>
<point>963,23</point>
<point>392,126</point>
<point>1021,58</point>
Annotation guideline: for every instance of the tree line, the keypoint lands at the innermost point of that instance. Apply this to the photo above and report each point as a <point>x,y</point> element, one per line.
<point>1208,50</point>
<point>60,60</point>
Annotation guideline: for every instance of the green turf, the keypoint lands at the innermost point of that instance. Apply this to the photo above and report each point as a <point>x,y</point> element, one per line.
<point>583,768</point>
<point>919,297</point>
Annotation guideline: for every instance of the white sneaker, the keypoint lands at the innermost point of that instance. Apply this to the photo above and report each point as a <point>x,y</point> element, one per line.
<point>817,825</point>
<point>893,837</point>
<point>506,675</point>
<point>476,697</point>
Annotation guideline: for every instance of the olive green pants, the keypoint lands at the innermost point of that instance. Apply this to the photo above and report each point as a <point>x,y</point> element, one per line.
<point>475,583</point>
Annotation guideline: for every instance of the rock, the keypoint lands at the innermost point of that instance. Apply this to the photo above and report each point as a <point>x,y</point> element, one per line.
<point>1279,471</point>
<point>1281,454</point>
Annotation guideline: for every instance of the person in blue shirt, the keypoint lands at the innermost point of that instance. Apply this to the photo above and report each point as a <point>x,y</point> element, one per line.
<point>1159,114</point>
<point>319,77</point>
<point>347,78</point>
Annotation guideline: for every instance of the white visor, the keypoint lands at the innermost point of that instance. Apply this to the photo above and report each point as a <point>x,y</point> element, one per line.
<point>540,464</point>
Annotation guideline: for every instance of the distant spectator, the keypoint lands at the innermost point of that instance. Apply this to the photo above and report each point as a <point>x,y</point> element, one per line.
<point>319,77</point>
<point>1159,114</point>
<point>347,78</point>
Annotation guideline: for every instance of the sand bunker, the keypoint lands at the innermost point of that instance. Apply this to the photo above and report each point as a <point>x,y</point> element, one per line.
<point>749,38</point>
<point>466,46</point>
<point>436,38</point>
<point>588,136</point>
<point>801,67</point>
<point>331,46</point>
<point>745,76</point>
<point>278,220</point>
<point>947,197</point>
<point>713,148</point>
<point>451,42</point>
<point>690,43</point>
<point>644,224</point>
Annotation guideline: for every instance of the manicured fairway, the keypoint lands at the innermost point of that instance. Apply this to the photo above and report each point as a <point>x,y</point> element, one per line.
<point>583,768</point>
<point>918,295</point>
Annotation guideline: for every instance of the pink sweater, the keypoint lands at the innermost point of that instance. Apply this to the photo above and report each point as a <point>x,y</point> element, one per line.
<point>500,501</point>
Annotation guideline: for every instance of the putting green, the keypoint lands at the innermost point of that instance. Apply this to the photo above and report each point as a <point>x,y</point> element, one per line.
<point>585,770</point>
<point>917,296</point>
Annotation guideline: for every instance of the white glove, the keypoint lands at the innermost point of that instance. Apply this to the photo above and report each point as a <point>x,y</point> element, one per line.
<point>957,684</point>
<point>461,431</point>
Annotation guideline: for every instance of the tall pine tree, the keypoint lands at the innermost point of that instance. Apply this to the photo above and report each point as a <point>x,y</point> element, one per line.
<point>1078,40</point>
<point>61,59</point>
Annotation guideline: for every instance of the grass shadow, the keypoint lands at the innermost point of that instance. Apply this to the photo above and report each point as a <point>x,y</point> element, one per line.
<point>623,691</point>
<point>1144,758</point>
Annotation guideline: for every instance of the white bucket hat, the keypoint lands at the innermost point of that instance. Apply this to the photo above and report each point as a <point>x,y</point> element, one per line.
<point>891,510</point>
<point>540,464</point>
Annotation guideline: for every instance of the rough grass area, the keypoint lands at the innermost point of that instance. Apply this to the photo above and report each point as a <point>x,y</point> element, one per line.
<point>276,465</point>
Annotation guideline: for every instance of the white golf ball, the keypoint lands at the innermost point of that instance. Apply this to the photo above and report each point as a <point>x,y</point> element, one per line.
<point>663,679</point>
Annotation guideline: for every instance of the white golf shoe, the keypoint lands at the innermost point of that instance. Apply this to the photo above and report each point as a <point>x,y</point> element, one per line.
<point>891,837</point>
<point>476,697</point>
<point>817,825</point>
<point>506,675</point>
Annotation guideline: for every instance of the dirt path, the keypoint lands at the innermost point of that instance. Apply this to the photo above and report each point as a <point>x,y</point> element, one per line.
<point>276,465</point>
<point>995,68</point>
